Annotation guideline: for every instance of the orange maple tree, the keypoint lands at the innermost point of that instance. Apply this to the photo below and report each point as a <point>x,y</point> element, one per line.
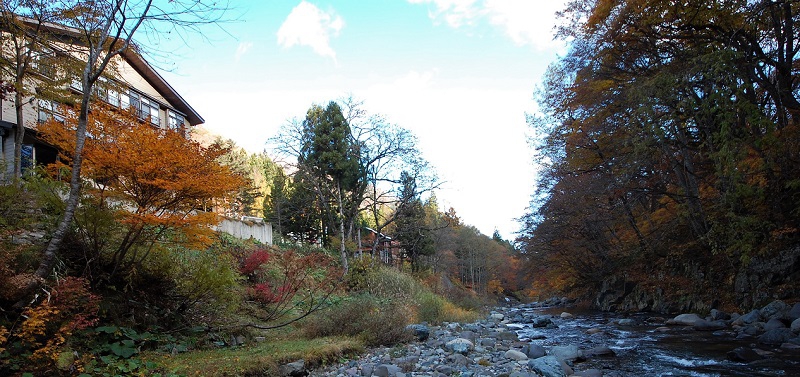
<point>157,182</point>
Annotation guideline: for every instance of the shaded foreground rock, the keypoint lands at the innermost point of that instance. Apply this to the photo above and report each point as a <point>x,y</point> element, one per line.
<point>547,366</point>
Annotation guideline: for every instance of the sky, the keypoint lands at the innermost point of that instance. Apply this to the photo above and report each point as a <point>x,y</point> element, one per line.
<point>459,74</point>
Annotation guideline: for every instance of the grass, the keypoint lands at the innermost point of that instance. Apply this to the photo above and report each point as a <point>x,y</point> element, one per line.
<point>258,358</point>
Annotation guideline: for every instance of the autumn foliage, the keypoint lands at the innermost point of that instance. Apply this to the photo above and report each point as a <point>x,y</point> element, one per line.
<point>157,183</point>
<point>669,150</point>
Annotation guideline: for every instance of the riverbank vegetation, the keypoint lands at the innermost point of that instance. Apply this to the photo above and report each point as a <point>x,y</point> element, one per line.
<point>142,285</point>
<point>670,156</point>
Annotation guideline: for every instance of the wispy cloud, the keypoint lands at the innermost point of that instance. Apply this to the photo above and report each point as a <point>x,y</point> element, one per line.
<point>243,48</point>
<point>309,26</point>
<point>526,22</point>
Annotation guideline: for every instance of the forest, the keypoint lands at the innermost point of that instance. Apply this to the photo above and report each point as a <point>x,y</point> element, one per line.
<point>670,156</point>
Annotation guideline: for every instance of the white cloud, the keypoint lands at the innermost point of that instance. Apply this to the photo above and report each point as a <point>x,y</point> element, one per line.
<point>455,12</point>
<point>309,26</point>
<point>526,22</point>
<point>242,49</point>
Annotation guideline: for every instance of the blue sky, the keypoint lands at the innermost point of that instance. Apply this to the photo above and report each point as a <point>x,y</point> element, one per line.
<point>460,74</point>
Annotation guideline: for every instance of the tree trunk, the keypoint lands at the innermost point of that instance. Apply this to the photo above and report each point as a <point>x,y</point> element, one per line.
<point>19,135</point>
<point>49,255</point>
<point>342,246</point>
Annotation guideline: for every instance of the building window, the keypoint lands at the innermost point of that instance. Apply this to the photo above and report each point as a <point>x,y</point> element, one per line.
<point>104,91</point>
<point>176,120</point>
<point>49,110</point>
<point>145,107</point>
<point>43,62</point>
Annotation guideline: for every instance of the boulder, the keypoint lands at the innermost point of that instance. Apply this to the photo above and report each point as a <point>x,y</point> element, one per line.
<point>566,353</point>
<point>294,369</point>
<point>774,324</point>
<point>566,315</point>
<point>743,354</point>
<point>534,351</point>
<point>748,318</point>
<point>795,325</point>
<point>685,319</point>
<point>421,332</point>
<point>496,317</point>
<point>703,325</point>
<point>794,312</point>
<point>460,345</point>
<point>547,366</point>
<point>515,355</point>
<point>776,336</point>
<point>718,315</point>
<point>776,309</point>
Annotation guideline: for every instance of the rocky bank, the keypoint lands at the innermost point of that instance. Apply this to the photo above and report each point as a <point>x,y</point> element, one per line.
<point>491,347</point>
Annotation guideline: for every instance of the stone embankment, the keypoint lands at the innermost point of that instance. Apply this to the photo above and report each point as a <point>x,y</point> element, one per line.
<point>490,347</point>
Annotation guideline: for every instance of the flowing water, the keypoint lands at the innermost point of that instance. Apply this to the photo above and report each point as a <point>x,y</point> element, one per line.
<point>643,351</point>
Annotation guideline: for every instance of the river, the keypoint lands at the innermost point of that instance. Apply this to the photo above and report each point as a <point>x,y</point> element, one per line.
<point>641,350</point>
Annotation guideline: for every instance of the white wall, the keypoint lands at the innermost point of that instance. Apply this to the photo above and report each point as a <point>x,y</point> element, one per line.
<point>244,229</point>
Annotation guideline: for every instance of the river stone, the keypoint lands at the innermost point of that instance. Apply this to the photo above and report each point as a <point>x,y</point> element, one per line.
<point>566,353</point>
<point>703,325</point>
<point>386,370</point>
<point>594,330</point>
<point>459,345</point>
<point>794,313</point>
<point>566,315</point>
<point>796,325</point>
<point>515,355</point>
<point>774,324</point>
<point>776,336</point>
<point>625,322</point>
<point>547,366</point>
<point>589,373</point>
<point>743,354</point>
<point>295,369</point>
<point>445,369</point>
<point>718,315</point>
<point>601,351</point>
<point>496,317</point>
<point>458,359</point>
<point>366,369</point>
<point>748,318</point>
<point>470,335</point>
<point>687,319</point>
<point>776,309</point>
<point>421,332</point>
<point>790,346</point>
<point>541,322</point>
<point>534,351</point>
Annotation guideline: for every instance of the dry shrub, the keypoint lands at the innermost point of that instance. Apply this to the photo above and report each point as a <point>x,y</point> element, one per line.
<point>376,321</point>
